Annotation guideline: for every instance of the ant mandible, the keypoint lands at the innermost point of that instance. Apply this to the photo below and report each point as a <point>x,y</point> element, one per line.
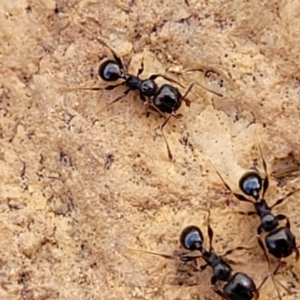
<point>166,99</point>
<point>280,241</point>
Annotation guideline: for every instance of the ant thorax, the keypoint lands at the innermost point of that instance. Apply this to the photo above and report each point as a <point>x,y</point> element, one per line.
<point>262,208</point>
<point>132,81</point>
<point>268,220</point>
<point>221,269</point>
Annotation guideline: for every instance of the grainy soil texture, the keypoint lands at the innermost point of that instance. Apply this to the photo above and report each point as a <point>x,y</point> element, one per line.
<point>83,189</point>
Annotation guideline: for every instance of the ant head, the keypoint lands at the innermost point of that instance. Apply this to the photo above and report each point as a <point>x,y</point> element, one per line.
<point>191,238</point>
<point>269,222</point>
<point>148,87</point>
<point>109,70</point>
<point>251,184</point>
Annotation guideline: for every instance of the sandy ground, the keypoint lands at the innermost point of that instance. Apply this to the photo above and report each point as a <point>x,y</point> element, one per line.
<point>79,188</point>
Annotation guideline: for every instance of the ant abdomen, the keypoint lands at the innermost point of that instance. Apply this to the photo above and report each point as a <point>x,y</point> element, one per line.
<point>240,287</point>
<point>168,99</point>
<point>281,242</point>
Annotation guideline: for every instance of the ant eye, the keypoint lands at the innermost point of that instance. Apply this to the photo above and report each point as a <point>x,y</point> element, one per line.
<point>109,71</point>
<point>191,238</point>
<point>250,184</point>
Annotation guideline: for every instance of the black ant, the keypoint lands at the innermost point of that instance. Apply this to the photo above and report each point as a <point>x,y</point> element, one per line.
<point>166,99</point>
<point>239,286</point>
<point>280,241</point>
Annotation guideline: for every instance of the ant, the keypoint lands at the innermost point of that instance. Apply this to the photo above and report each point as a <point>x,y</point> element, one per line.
<point>238,286</point>
<point>280,241</point>
<point>165,99</point>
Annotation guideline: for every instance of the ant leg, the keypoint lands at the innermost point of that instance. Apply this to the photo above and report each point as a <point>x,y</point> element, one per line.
<point>219,292</point>
<point>166,142</point>
<point>259,230</point>
<point>177,116</point>
<point>236,248</point>
<point>269,267</point>
<point>265,279</point>
<point>248,213</point>
<point>194,70</point>
<point>213,280</point>
<point>141,69</point>
<point>186,257</point>
<point>256,294</point>
<point>281,217</point>
<point>297,253</point>
<point>203,87</point>
<point>203,267</point>
<point>167,256</point>
<point>146,103</point>
<point>238,196</point>
<point>154,76</point>
<point>279,201</point>
<point>149,106</point>
<point>111,87</point>
<point>187,102</point>
<point>144,99</point>
<point>210,236</point>
<point>108,88</point>
<point>210,231</point>
<point>114,101</point>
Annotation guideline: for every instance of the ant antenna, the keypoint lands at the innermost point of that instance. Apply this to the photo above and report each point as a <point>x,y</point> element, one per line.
<point>119,98</point>
<point>183,257</point>
<point>238,196</point>
<point>211,234</point>
<point>103,43</point>
<point>266,179</point>
<point>202,86</point>
<point>164,255</point>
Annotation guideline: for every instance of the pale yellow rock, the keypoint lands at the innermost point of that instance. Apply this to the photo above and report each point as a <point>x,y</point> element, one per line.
<point>81,188</point>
